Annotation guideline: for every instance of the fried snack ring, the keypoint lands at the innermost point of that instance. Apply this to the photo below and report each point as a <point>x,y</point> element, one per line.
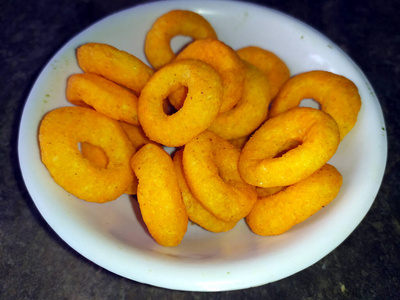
<point>337,96</point>
<point>159,196</point>
<point>210,164</point>
<point>308,138</point>
<point>201,105</point>
<point>195,210</point>
<point>99,159</point>
<point>251,110</point>
<point>116,65</point>
<point>60,133</point>
<point>276,214</point>
<point>176,22</point>
<point>268,62</point>
<point>227,63</point>
<point>104,96</point>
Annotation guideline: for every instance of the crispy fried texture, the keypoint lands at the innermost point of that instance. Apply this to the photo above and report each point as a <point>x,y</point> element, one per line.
<point>276,214</point>
<point>116,65</point>
<point>176,22</point>
<point>196,212</point>
<point>227,63</point>
<point>201,105</point>
<point>104,96</point>
<point>307,137</point>
<point>251,110</point>
<point>60,133</point>
<point>159,196</point>
<point>274,68</point>
<point>337,95</point>
<point>210,164</point>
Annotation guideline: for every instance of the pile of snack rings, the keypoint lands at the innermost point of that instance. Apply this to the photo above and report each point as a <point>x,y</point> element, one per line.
<point>243,147</point>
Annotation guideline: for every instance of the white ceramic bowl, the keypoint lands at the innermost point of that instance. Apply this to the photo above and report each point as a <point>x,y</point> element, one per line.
<point>113,236</point>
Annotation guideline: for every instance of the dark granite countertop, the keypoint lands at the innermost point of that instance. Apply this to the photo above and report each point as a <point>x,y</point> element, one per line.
<point>36,264</point>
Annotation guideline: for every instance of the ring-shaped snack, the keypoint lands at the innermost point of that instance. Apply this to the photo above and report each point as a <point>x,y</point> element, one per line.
<point>276,214</point>
<point>210,165</point>
<point>289,147</point>
<point>227,63</point>
<point>251,110</point>
<point>336,94</point>
<point>268,62</point>
<point>116,65</point>
<point>159,195</point>
<point>60,133</point>
<point>176,22</point>
<point>196,212</point>
<point>199,110</point>
<point>104,96</point>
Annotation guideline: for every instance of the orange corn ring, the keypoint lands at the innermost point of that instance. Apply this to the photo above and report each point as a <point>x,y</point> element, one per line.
<point>268,62</point>
<point>276,214</point>
<point>251,110</point>
<point>210,164</point>
<point>104,96</point>
<point>201,105</point>
<point>159,196</point>
<point>308,138</point>
<point>116,65</point>
<point>177,22</point>
<point>196,212</point>
<point>99,159</point>
<point>60,133</point>
<point>337,95</point>
<point>227,63</point>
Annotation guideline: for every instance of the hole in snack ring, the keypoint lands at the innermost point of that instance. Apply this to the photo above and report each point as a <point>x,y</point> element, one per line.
<point>177,97</point>
<point>289,145</point>
<point>308,102</point>
<point>179,42</point>
<point>94,154</point>
<point>168,108</point>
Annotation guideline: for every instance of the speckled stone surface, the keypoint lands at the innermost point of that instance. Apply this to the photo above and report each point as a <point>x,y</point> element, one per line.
<point>36,264</point>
